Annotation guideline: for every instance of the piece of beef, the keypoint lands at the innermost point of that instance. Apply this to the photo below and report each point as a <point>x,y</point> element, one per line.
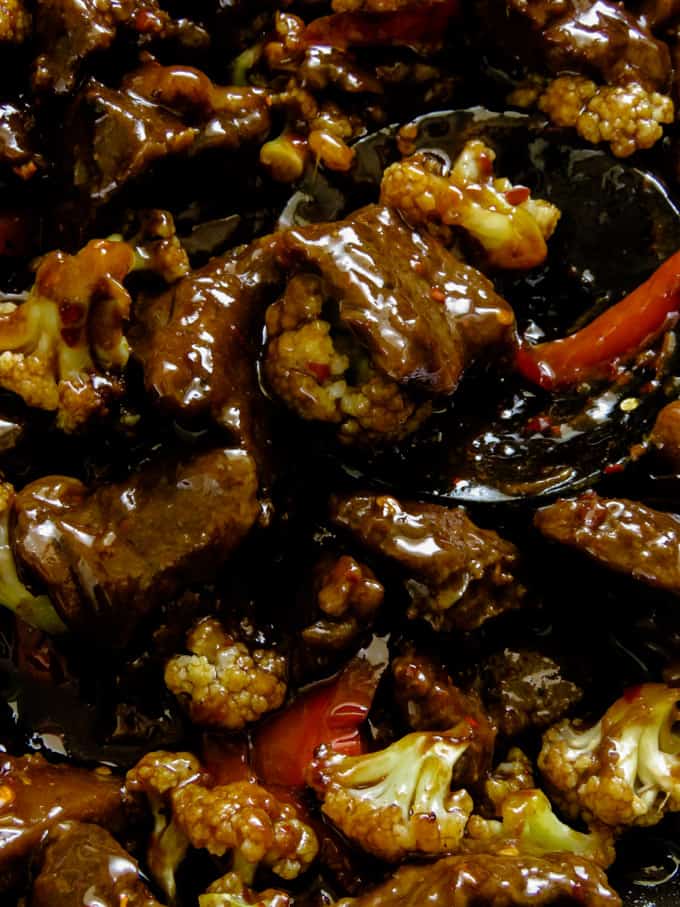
<point>428,698</point>
<point>109,557</point>
<point>198,345</point>
<point>457,575</point>
<point>495,881</point>
<point>16,145</point>
<point>524,689</point>
<point>665,435</point>
<point>68,32</point>
<point>622,535</point>
<point>597,38</point>
<point>35,796</point>
<point>115,136</point>
<point>384,276</point>
<point>84,865</point>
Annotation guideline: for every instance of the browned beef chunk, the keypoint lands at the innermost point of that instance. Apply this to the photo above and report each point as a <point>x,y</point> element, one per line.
<point>35,796</point>
<point>16,147</point>
<point>619,534</point>
<point>84,864</point>
<point>422,314</point>
<point>70,31</point>
<point>107,558</point>
<point>428,698</point>
<point>593,37</point>
<point>457,575</point>
<point>495,881</point>
<point>158,111</point>
<point>198,346</point>
<point>665,435</point>
<point>524,689</point>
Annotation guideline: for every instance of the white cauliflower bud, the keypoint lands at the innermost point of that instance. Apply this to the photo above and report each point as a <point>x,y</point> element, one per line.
<point>223,683</point>
<point>397,801</point>
<point>629,118</point>
<point>511,227</point>
<point>626,769</point>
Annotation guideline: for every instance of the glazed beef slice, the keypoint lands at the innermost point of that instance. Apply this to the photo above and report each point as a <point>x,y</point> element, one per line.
<point>83,864</point>
<point>109,557</point>
<point>38,795</point>
<point>457,575</point>
<point>421,313</point>
<point>622,535</point>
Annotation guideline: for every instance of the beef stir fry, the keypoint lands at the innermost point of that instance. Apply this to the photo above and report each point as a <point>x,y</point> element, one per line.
<point>339,453</point>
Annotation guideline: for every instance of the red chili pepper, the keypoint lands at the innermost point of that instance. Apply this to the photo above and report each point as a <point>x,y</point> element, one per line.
<point>226,758</point>
<point>329,712</point>
<point>616,334</point>
<point>416,25</point>
<point>632,693</point>
<point>320,370</point>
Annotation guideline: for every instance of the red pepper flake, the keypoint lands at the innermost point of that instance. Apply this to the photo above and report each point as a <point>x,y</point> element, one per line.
<point>539,424</point>
<point>471,721</point>
<point>70,313</point>
<point>632,693</point>
<point>320,370</point>
<point>437,294</point>
<point>485,164</point>
<point>517,195</point>
<point>612,468</point>
<point>556,431</point>
<point>146,21</point>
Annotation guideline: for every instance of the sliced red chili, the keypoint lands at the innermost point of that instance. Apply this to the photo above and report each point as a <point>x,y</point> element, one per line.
<point>330,712</point>
<point>614,336</point>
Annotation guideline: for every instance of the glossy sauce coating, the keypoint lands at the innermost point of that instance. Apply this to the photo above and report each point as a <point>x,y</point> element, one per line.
<point>107,558</point>
<point>622,535</point>
<point>422,314</point>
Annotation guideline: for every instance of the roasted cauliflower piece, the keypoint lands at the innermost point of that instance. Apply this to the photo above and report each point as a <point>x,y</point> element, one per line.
<point>348,595</point>
<point>514,774</point>
<point>223,683</point>
<point>398,801</point>
<point>36,610</point>
<point>229,891</point>
<point>323,374</point>
<point>628,117</point>
<point>529,827</point>
<point>64,348</point>
<point>246,820</point>
<point>155,777</point>
<point>242,819</point>
<point>15,22</point>
<point>625,770</point>
<point>508,223</point>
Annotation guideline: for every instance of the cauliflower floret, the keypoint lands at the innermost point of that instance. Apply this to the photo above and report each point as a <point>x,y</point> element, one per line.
<point>348,594</point>
<point>398,801</point>
<point>246,820</point>
<point>241,818</point>
<point>36,610</point>
<point>15,21</point>
<point>626,769</point>
<point>530,827</point>
<point>511,227</point>
<point>156,776</point>
<point>323,374</point>
<point>229,891</point>
<point>512,775</point>
<point>63,349</point>
<point>223,683</point>
<point>628,117</point>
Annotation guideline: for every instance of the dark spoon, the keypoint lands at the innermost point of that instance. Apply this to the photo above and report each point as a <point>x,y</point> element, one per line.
<point>501,440</point>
